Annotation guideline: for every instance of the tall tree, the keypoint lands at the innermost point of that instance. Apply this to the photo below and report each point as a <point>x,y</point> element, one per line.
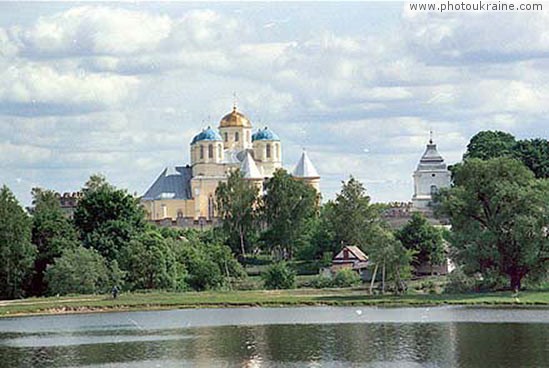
<point>423,238</point>
<point>17,253</point>
<point>52,233</point>
<point>534,153</point>
<point>288,205</point>
<point>352,217</point>
<point>237,202</point>
<point>499,215</point>
<point>107,218</point>
<point>490,144</point>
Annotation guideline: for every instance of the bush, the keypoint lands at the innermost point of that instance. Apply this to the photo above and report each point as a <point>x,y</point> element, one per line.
<point>459,282</point>
<point>279,276</point>
<point>346,278</point>
<point>80,271</point>
<point>321,282</point>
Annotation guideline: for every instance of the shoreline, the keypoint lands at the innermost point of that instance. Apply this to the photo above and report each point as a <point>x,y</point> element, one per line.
<point>261,298</point>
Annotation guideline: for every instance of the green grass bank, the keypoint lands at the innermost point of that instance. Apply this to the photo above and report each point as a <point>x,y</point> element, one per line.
<point>260,298</point>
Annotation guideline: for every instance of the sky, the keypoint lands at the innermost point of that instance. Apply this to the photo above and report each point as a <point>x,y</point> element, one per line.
<point>121,88</point>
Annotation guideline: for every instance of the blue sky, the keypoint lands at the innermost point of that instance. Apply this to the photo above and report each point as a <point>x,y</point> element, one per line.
<point>121,88</point>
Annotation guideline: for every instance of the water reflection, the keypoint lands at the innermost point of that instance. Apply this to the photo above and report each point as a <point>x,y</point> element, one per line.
<point>380,344</point>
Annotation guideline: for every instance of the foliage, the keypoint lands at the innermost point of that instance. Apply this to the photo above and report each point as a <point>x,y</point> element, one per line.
<point>279,276</point>
<point>82,271</point>
<point>459,282</point>
<point>489,144</point>
<point>52,233</point>
<point>499,214</point>
<point>17,253</point>
<point>107,218</point>
<point>236,203</point>
<point>346,278</point>
<point>151,263</point>
<point>322,282</point>
<point>288,206</point>
<point>534,153</point>
<point>423,238</point>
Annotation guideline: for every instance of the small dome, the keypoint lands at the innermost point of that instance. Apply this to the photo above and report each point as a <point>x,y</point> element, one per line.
<point>235,119</point>
<point>207,134</point>
<point>265,134</point>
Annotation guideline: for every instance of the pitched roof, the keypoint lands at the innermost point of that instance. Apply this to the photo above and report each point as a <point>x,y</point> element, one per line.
<point>172,183</point>
<point>305,168</point>
<point>359,254</point>
<point>249,168</point>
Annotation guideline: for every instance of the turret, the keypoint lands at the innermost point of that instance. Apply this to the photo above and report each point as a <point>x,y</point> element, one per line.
<point>267,151</point>
<point>206,149</point>
<point>236,130</point>
<point>306,171</point>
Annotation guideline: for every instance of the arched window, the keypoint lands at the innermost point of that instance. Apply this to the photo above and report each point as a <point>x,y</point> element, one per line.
<point>248,136</point>
<point>226,137</point>
<point>268,151</point>
<point>210,207</point>
<point>219,151</point>
<point>236,137</point>
<point>434,189</point>
<point>201,152</point>
<point>277,151</point>
<point>210,151</point>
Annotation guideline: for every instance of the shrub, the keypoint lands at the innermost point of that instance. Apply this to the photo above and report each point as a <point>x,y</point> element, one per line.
<point>321,282</point>
<point>279,276</point>
<point>346,278</point>
<point>459,282</point>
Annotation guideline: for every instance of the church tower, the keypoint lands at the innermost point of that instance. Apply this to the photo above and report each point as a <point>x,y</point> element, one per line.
<point>306,171</point>
<point>267,151</point>
<point>236,131</point>
<point>430,176</point>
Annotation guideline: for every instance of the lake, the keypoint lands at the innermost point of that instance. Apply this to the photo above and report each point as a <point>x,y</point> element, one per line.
<point>281,337</point>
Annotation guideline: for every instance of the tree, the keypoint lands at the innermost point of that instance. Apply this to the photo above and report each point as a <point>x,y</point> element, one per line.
<point>52,233</point>
<point>237,201</point>
<point>534,153</point>
<point>279,276</point>
<point>81,271</point>
<point>17,253</point>
<point>107,218</point>
<point>288,205</point>
<point>423,238</point>
<point>352,217</point>
<point>489,144</point>
<point>151,263</point>
<point>499,215</point>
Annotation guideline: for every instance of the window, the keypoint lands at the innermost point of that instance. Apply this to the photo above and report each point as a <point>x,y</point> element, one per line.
<point>210,151</point>
<point>201,152</point>
<point>268,150</point>
<point>248,136</point>
<point>277,151</point>
<point>219,151</point>
<point>210,207</point>
<point>434,189</point>
<point>226,137</point>
<point>236,137</point>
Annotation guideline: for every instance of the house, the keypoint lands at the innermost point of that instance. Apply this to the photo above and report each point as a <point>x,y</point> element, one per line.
<point>351,257</point>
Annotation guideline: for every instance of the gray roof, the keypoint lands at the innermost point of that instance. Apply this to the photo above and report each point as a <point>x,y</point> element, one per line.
<point>305,168</point>
<point>431,159</point>
<point>249,168</point>
<point>172,183</point>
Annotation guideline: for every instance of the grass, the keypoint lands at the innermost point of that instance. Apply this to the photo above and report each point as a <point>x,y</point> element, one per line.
<point>296,297</point>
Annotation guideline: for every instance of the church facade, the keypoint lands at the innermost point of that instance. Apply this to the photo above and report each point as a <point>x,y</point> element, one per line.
<point>187,193</point>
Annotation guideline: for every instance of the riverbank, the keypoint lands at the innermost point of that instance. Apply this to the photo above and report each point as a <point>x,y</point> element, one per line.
<point>259,298</point>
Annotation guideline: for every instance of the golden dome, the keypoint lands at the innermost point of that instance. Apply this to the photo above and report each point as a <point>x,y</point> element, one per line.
<point>235,119</point>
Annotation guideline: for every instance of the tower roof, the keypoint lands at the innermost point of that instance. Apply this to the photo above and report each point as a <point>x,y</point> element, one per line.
<point>235,119</point>
<point>265,134</point>
<point>207,134</point>
<point>249,168</point>
<point>431,159</point>
<point>305,168</point>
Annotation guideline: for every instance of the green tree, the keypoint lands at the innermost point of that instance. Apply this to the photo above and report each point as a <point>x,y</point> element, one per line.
<point>288,206</point>
<point>534,153</point>
<point>279,276</point>
<point>423,238</point>
<point>52,233</point>
<point>489,144</point>
<point>237,201</point>
<point>346,278</point>
<point>352,217</point>
<point>499,215</point>
<point>150,261</point>
<point>108,218</point>
<point>81,271</point>
<point>17,253</point>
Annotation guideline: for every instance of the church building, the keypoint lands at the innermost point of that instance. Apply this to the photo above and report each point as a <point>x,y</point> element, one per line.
<point>186,194</point>
<point>430,176</point>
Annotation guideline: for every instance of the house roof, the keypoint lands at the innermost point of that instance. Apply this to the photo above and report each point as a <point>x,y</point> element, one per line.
<point>355,251</point>
<point>172,183</point>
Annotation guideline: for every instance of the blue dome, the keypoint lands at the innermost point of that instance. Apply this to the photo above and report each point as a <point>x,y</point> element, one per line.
<point>265,134</point>
<point>207,134</point>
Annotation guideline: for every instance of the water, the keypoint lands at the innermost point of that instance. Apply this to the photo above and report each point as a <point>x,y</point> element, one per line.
<point>281,337</point>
